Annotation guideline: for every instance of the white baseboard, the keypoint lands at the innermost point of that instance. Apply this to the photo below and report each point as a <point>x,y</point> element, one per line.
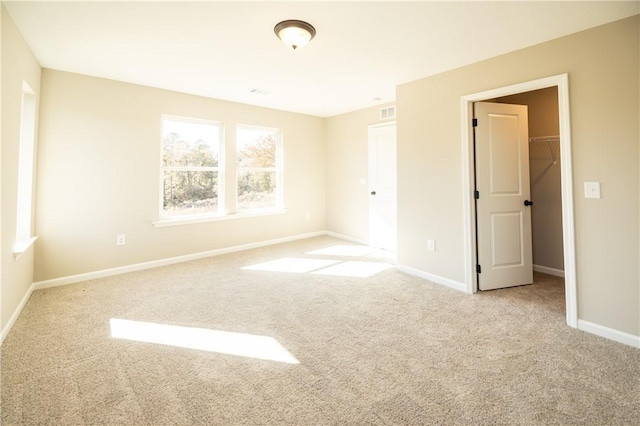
<point>433,278</point>
<point>609,333</point>
<point>168,261</point>
<point>547,270</point>
<point>16,313</point>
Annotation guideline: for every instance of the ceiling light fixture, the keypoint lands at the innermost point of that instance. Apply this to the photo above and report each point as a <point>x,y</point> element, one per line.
<point>295,33</point>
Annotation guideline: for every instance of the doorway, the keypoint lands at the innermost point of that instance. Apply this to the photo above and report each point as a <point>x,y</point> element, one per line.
<point>546,178</point>
<point>383,187</point>
<point>568,233</point>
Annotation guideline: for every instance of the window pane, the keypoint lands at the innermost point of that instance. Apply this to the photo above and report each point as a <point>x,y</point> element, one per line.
<point>187,143</point>
<point>256,147</point>
<point>256,190</point>
<point>187,193</point>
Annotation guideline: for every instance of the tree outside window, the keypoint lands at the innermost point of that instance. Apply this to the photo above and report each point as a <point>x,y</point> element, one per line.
<point>258,168</point>
<point>191,165</point>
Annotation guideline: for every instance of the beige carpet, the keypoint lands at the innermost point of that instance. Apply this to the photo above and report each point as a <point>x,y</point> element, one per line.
<point>388,349</point>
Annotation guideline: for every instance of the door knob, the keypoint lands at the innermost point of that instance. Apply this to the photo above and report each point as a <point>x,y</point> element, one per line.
<point>373,192</point>
<point>528,203</point>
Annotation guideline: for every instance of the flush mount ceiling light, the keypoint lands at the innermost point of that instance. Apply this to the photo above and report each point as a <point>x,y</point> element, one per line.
<point>295,33</point>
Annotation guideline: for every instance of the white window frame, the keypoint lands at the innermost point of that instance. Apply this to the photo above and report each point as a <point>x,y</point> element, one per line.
<point>278,169</point>
<point>220,169</point>
<point>26,170</point>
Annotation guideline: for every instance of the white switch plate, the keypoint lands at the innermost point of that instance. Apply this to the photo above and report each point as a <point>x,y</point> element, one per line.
<point>592,190</point>
<point>431,245</point>
<point>120,240</point>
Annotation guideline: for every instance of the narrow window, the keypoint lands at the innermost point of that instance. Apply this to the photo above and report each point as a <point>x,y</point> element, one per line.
<point>25,170</point>
<point>192,169</point>
<point>258,168</point>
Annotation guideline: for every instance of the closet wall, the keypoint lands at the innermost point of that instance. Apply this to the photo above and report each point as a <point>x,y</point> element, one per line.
<point>544,164</point>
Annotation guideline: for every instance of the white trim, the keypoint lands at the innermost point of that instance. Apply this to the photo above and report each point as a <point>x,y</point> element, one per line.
<point>433,278</point>
<point>22,246</point>
<point>384,124</point>
<point>568,224</point>
<point>16,313</point>
<point>609,333</point>
<point>167,261</point>
<point>346,238</point>
<point>560,81</point>
<point>547,270</point>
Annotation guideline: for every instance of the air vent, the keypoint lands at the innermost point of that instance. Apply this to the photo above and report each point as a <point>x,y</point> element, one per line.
<point>388,112</point>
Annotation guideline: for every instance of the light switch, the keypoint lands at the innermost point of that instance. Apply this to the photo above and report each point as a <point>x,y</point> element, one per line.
<point>592,190</point>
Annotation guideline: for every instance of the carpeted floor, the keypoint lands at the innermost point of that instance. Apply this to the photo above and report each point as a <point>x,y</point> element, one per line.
<point>383,350</point>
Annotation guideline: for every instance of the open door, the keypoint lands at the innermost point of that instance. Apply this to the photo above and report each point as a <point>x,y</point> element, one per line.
<point>382,187</point>
<point>503,205</point>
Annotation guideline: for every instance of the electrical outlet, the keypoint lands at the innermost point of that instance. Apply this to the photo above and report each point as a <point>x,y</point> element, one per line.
<point>120,240</point>
<point>431,245</point>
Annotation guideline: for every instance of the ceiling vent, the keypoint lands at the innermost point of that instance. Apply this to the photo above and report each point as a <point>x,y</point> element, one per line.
<point>388,112</point>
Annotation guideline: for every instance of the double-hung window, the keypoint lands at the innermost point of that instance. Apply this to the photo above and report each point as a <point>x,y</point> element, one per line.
<point>258,168</point>
<point>192,167</point>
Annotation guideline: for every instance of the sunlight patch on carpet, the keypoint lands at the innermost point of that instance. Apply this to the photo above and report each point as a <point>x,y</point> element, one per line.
<point>355,269</point>
<point>223,342</point>
<point>350,268</point>
<point>292,264</point>
<point>345,250</point>
<point>384,254</point>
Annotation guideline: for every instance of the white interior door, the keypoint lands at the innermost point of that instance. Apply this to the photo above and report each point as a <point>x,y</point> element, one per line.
<point>502,181</point>
<point>382,187</point>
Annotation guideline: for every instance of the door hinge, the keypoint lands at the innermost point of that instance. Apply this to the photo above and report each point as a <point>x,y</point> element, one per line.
<point>476,195</point>
<point>478,269</point>
<point>474,122</point>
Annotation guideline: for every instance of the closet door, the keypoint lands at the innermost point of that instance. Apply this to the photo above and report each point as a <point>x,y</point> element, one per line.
<point>503,205</point>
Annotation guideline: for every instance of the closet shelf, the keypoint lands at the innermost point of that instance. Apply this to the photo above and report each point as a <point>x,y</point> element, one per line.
<point>548,140</point>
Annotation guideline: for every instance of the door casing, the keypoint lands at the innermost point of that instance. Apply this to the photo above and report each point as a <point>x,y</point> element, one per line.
<point>561,81</point>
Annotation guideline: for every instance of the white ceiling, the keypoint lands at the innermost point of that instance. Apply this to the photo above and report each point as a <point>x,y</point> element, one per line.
<point>225,50</point>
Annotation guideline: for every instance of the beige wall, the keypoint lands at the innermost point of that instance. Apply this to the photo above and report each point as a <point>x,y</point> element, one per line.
<point>347,206</point>
<point>546,190</point>
<point>98,175</point>
<point>603,66</point>
<point>18,65</point>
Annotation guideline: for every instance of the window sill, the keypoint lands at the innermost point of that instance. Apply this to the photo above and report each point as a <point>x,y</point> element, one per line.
<point>217,218</point>
<point>20,247</point>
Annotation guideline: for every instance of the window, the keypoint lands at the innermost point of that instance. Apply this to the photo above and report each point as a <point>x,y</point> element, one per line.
<point>192,172</point>
<point>258,168</point>
<point>194,178</point>
<point>25,170</point>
